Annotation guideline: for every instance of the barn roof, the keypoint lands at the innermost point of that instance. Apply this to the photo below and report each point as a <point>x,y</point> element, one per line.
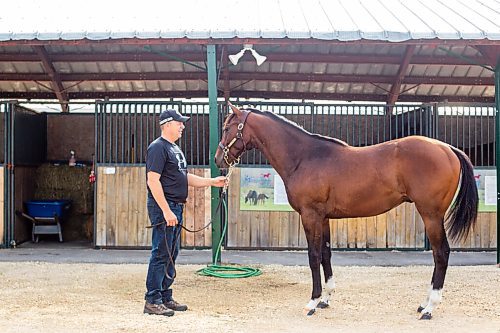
<point>343,20</point>
<point>370,50</point>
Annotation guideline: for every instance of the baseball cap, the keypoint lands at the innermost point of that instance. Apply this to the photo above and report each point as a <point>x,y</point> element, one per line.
<point>170,114</point>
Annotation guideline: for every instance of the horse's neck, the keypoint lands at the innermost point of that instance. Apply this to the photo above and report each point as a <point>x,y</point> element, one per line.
<point>277,141</point>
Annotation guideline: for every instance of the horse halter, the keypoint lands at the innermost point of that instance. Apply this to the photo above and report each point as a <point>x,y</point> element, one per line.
<point>239,135</point>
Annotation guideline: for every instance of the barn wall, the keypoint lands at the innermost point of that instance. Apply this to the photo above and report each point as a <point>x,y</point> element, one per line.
<point>66,132</point>
<point>121,212</point>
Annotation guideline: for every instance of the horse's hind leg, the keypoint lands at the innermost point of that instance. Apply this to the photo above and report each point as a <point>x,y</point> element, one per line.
<point>441,253</point>
<point>326,255</point>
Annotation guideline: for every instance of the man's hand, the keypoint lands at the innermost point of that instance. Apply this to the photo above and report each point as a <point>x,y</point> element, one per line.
<point>170,218</point>
<point>218,181</point>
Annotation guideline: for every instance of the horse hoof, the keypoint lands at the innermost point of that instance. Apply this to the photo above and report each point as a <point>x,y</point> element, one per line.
<point>426,316</point>
<point>309,312</point>
<point>420,308</point>
<point>322,305</point>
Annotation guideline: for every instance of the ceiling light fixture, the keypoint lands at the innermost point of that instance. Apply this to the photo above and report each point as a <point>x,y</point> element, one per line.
<point>234,58</point>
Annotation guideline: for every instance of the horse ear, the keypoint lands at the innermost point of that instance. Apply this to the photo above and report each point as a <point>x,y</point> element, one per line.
<point>235,109</point>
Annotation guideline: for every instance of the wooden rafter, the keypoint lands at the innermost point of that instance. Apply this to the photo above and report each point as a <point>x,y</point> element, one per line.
<point>271,57</point>
<point>257,76</point>
<point>403,68</point>
<point>55,78</point>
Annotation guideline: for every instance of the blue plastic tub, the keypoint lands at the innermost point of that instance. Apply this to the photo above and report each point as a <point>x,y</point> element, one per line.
<point>47,208</point>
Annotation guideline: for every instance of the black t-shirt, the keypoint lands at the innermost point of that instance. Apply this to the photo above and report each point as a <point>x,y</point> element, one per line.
<point>168,160</point>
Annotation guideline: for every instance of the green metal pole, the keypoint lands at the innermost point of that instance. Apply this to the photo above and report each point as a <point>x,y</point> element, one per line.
<point>214,136</point>
<point>497,144</point>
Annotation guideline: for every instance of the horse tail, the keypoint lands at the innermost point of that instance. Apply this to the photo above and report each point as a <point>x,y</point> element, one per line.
<point>463,213</point>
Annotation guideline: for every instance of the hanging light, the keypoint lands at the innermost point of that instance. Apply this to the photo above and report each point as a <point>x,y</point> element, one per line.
<point>234,58</point>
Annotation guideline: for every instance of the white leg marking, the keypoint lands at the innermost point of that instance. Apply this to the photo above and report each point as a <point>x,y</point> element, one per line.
<point>312,304</point>
<point>435,297</point>
<point>424,303</point>
<point>328,290</point>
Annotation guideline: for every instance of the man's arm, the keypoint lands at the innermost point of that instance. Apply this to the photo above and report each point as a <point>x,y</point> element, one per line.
<point>153,179</point>
<point>197,181</point>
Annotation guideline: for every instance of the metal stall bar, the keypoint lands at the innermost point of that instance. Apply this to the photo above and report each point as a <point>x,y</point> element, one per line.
<point>6,108</point>
<point>97,151</point>
<point>9,174</point>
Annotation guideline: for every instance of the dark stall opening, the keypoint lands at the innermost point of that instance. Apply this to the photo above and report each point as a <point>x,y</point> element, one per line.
<point>45,173</point>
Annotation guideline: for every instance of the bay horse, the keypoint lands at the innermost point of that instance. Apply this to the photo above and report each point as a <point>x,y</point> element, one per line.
<point>325,178</point>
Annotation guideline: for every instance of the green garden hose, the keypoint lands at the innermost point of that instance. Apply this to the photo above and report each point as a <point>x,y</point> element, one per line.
<point>224,271</point>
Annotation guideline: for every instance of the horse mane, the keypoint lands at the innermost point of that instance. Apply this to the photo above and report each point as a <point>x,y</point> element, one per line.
<point>296,126</point>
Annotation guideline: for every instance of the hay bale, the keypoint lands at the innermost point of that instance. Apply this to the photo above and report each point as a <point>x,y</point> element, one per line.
<point>65,182</point>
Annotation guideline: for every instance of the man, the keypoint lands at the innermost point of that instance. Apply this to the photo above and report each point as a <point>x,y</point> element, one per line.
<point>168,181</point>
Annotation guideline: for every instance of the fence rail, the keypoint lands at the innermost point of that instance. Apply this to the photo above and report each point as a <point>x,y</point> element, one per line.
<point>125,129</point>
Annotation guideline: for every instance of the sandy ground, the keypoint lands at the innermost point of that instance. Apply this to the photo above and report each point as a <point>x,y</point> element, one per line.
<point>47,297</point>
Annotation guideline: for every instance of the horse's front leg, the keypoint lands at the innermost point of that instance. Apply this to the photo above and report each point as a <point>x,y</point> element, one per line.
<point>312,227</point>
<point>326,255</point>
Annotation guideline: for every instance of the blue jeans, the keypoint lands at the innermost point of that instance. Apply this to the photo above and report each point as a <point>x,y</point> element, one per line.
<point>165,248</point>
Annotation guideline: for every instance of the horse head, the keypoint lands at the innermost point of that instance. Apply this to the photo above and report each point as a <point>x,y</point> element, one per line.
<point>234,141</point>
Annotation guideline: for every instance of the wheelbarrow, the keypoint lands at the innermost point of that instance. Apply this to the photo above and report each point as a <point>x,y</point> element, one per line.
<point>46,216</point>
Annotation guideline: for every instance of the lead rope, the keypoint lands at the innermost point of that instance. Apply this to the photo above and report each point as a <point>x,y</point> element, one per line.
<point>222,271</point>
<point>213,269</point>
<point>177,233</point>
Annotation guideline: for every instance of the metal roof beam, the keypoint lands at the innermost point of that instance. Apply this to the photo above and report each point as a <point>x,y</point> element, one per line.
<point>248,94</point>
<point>256,76</point>
<point>271,57</point>
<point>403,68</point>
<point>55,79</point>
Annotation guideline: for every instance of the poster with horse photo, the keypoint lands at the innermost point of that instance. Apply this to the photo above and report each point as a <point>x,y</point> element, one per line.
<point>262,189</point>
<point>486,182</point>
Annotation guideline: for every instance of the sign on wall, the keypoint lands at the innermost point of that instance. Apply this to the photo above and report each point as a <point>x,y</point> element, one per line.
<point>486,181</point>
<point>262,189</point>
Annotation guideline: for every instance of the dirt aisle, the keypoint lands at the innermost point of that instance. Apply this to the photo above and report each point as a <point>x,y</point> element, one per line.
<point>45,297</point>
